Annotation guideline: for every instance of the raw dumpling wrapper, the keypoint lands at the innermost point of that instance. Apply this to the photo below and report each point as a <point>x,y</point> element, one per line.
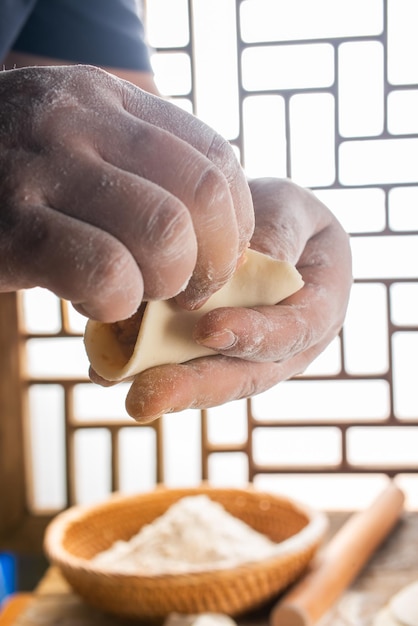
<point>164,333</point>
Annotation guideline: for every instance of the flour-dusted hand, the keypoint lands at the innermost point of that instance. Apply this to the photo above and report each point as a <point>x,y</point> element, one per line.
<point>261,346</point>
<point>109,195</point>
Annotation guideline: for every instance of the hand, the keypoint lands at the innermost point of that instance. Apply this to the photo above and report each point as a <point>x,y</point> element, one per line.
<point>272,343</point>
<point>110,195</point>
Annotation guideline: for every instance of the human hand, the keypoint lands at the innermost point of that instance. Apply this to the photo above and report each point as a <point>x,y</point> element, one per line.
<point>109,195</point>
<point>272,343</point>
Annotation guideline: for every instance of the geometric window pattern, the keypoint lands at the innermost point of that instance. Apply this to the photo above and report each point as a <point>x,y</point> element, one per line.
<point>329,100</point>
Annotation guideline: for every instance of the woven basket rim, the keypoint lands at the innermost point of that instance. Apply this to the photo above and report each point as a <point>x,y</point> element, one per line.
<point>313,532</point>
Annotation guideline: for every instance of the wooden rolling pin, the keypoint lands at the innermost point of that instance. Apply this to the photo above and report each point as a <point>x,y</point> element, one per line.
<point>339,562</point>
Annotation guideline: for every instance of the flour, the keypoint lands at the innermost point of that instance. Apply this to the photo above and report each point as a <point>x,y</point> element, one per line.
<point>199,619</point>
<point>194,534</point>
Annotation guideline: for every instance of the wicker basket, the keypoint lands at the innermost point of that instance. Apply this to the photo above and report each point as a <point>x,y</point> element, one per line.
<point>79,533</point>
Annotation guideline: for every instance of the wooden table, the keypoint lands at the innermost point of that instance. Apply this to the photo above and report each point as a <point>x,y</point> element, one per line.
<point>393,566</point>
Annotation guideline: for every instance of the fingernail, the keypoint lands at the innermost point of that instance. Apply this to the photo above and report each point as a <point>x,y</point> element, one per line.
<point>147,419</point>
<point>219,341</point>
<point>191,305</point>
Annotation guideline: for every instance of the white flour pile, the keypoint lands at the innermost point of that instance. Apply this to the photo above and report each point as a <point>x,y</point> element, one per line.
<point>194,534</point>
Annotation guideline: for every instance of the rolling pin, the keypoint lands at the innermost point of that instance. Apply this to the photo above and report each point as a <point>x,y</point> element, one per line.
<point>339,562</point>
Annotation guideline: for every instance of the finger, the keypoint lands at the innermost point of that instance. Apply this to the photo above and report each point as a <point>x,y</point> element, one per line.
<point>276,333</point>
<point>74,260</point>
<point>172,388</point>
<point>179,387</point>
<point>303,232</point>
<point>284,221</point>
<point>151,223</point>
<point>184,172</point>
<point>260,334</point>
<point>107,126</point>
<point>190,129</point>
<point>98,380</point>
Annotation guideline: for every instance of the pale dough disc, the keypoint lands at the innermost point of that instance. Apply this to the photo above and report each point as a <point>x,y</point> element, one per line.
<point>202,619</point>
<point>384,618</point>
<point>404,605</point>
<point>165,334</point>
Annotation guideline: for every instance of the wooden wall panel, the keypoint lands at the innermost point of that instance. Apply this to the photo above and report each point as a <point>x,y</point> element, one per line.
<point>12,471</point>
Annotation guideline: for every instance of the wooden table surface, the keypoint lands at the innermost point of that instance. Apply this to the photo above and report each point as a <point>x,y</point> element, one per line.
<point>394,565</point>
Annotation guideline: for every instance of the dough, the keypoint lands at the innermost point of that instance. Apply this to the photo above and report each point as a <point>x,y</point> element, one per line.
<point>402,609</point>
<point>384,618</point>
<point>165,332</point>
<point>202,619</point>
<point>404,605</point>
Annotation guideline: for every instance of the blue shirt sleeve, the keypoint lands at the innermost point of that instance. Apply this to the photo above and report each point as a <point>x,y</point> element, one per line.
<point>96,32</point>
<point>13,15</point>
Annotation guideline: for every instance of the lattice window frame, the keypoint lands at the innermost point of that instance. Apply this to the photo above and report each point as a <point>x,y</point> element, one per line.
<point>20,526</point>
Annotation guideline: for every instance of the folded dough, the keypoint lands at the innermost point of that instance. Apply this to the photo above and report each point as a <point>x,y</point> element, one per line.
<point>385,618</point>
<point>162,331</point>
<point>402,608</point>
<point>404,605</point>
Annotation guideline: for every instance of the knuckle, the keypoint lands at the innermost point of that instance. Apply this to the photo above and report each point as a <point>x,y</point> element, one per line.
<point>138,136</point>
<point>303,335</point>
<point>250,383</point>
<point>167,224</point>
<point>223,156</point>
<point>211,186</point>
<point>168,230</point>
<point>112,267</point>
